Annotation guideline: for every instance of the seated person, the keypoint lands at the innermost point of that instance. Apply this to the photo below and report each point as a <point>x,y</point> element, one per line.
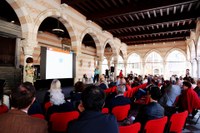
<point>35,108</point>
<point>75,95</point>
<point>189,99</point>
<point>151,111</point>
<point>91,118</point>
<point>57,98</point>
<point>197,88</point>
<point>17,120</point>
<point>119,99</point>
<point>103,85</point>
<point>55,85</point>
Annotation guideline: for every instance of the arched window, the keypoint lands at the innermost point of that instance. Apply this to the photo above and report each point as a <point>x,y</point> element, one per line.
<point>120,64</point>
<point>154,64</point>
<point>134,64</point>
<point>175,64</point>
<point>104,65</point>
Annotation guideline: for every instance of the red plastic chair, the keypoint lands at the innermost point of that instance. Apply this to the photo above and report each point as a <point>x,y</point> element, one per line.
<point>47,105</point>
<point>41,116</point>
<point>133,128</point>
<point>3,109</point>
<point>59,121</point>
<point>177,121</point>
<point>105,110</point>
<point>121,112</point>
<point>156,125</point>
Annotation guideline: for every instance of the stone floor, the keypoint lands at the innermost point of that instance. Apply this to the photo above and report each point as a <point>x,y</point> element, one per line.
<point>192,126</point>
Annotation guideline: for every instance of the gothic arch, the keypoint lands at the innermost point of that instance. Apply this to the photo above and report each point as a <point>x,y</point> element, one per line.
<point>149,52</point>
<point>173,49</point>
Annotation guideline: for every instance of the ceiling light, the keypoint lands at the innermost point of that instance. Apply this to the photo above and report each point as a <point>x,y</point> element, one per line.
<point>58,30</point>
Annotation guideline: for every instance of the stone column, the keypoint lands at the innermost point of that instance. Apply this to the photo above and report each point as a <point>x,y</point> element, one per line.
<point>125,68</point>
<point>17,52</point>
<point>100,60</point>
<point>192,67</point>
<point>115,66</point>
<point>198,68</point>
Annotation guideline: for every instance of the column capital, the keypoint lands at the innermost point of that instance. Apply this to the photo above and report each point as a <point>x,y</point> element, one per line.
<point>28,46</point>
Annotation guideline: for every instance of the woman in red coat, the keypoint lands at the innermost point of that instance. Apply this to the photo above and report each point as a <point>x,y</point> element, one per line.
<point>189,99</point>
<point>120,74</point>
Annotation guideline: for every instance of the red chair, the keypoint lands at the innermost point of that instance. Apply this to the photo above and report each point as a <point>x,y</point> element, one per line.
<point>121,112</point>
<point>3,109</point>
<point>133,128</point>
<point>47,105</point>
<point>156,125</point>
<point>177,122</point>
<point>41,116</point>
<point>105,110</point>
<point>59,121</point>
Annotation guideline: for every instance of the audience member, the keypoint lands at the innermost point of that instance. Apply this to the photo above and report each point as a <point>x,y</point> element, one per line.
<point>119,99</point>
<point>151,111</point>
<point>189,99</point>
<point>103,84</point>
<point>197,88</point>
<point>91,119</point>
<point>75,95</point>
<point>57,98</point>
<point>17,120</point>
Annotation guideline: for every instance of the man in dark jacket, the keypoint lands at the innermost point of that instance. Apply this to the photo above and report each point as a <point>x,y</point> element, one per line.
<point>91,120</point>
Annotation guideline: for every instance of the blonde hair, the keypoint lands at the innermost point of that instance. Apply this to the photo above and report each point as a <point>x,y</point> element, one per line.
<point>56,95</point>
<point>55,84</point>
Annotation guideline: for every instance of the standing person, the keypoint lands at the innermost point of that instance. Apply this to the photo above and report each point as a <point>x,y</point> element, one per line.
<point>29,70</point>
<point>17,120</point>
<point>96,74</point>
<point>91,119</point>
<point>121,74</point>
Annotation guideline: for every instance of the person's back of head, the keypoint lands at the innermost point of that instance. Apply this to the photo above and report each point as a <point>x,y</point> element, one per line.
<point>155,93</point>
<point>23,96</point>
<point>55,84</point>
<point>79,86</point>
<point>93,98</point>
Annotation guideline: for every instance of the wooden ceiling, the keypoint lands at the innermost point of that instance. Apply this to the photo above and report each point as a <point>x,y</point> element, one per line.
<point>141,21</point>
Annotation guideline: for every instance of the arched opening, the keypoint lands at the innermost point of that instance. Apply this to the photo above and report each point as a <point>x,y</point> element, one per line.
<point>174,59</point>
<point>9,32</point>
<point>107,54</point>
<point>89,52</point>
<point>154,64</point>
<point>120,65</point>
<point>104,65</point>
<point>10,39</point>
<point>134,64</point>
<point>51,34</point>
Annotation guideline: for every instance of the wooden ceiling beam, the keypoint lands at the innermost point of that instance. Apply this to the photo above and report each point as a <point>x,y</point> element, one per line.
<point>157,20</point>
<point>138,7</point>
<point>155,40</point>
<point>155,33</point>
<point>183,35</point>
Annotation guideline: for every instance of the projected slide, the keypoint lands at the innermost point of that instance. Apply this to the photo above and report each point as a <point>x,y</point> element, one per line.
<point>58,65</point>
